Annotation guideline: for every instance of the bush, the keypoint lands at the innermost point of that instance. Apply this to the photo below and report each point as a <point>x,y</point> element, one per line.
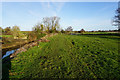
<point>35,36</point>
<point>62,31</point>
<point>40,35</point>
<point>6,40</point>
<point>75,31</point>
<point>32,36</point>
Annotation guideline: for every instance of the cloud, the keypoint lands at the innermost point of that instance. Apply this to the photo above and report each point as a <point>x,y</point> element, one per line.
<point>30,11</point>
<point>58,6</point>
<point>52,8</point>
<point>48,5</point>
<point>33,13</point>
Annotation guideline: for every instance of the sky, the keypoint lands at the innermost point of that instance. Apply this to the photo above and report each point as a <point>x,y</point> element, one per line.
<point>86,15</point>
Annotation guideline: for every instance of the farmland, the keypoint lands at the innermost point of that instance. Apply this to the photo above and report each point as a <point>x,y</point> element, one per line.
<point>68,56</point>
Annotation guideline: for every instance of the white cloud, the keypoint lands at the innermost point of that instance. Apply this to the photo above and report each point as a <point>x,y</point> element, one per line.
<point>30,11</point>
<point>48,5</point>
<point>35,14</point>
<point>58,6</point>
<point>52,8</point>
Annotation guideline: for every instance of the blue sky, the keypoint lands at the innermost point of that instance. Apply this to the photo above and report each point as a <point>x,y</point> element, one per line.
<point>86,15</point>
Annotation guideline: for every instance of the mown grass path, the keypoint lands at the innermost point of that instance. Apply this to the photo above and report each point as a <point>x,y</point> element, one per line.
<point>69,56</point>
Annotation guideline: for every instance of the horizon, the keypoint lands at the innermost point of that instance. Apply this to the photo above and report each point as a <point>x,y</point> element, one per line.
<point>91,16</point>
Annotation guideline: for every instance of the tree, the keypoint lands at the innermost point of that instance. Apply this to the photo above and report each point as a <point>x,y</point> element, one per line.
<point>116,20</point>
<point>32,36</point>
<point>1,30</point>
<point>51,24</point>
<point>7,30</point>
<point>55,23</point>
<point>46,22</point>
<point>62,31</point>
<point>69,29</point>
<point>38,28</point>
<point>16,31</point>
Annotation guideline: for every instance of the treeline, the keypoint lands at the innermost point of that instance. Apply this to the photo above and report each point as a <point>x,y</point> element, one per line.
<point>46,26</point>
<point>15,31</point>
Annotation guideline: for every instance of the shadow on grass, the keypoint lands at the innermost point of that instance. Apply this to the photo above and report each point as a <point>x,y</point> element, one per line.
<point>6,66</point>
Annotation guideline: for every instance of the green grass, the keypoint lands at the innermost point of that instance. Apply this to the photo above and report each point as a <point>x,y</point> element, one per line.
<point>99,33</point>
<point>68,56</point>
<point>40,36</point>
<point>5,35</point>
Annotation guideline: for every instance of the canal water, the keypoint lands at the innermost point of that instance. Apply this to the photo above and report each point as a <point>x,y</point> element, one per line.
<point>8,53</point>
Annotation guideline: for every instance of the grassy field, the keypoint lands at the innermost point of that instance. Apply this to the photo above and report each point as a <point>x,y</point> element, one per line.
<point>68,56</point>
<point>99,33</point>
<point>6,36</point>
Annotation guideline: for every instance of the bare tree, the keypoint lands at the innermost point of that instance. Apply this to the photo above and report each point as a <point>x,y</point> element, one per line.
<point>55,23</point>
<point>69,29</point>
<point>38,28</point>
<point>46,22</point>
<point>51,23</point>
